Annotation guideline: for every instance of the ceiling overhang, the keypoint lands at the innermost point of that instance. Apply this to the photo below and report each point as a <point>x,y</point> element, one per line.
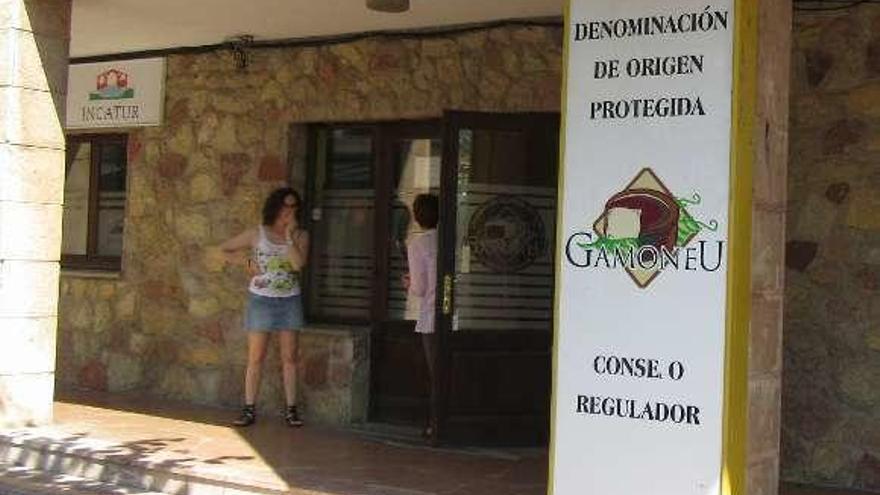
<point>107,27</point>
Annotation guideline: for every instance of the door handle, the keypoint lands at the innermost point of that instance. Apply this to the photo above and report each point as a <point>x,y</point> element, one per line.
<point>447,294</point>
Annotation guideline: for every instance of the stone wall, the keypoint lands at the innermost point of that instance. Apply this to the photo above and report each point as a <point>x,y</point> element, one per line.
<point>831,394</point>
<point>168,325</point>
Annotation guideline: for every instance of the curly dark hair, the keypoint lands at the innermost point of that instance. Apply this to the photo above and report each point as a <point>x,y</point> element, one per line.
<point>426,209</point>
<point>275,201</point>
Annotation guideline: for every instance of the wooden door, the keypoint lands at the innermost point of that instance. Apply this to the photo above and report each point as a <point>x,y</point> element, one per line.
<point>409,155</point>
<point>361,182</point>
<point>496,278</point>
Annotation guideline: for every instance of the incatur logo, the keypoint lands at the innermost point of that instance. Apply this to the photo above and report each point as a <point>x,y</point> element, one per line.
<point>646,230</point>
<point>112,85</point>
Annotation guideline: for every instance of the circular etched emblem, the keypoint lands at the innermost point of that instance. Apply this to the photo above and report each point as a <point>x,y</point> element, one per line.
<point>506,234</point>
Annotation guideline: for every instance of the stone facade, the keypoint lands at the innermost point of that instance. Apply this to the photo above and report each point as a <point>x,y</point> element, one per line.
<point>831,392</point>
<point>168,325</point>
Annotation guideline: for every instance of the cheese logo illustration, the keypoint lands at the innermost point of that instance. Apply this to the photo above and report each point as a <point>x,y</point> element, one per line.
<point>646,230</point>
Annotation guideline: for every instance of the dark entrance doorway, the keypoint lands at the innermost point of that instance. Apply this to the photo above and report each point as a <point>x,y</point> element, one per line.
<point>362,181</point>
<point>409,156</point>
<point>495,175</point>
<point>496,271</point>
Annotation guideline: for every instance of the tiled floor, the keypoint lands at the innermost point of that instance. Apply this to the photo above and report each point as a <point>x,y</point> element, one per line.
<point>197,447</point>
<point>197,443</point>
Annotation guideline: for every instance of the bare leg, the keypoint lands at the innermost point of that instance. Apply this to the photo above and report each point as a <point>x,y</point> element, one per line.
<point>288,343</point>
<point>257,342</point>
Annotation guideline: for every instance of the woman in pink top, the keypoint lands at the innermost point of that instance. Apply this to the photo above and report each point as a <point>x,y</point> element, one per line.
<point>421,280</point>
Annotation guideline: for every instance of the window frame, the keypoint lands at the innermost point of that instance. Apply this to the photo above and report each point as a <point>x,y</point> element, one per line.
<point>91,261</point>
<point>383,132</point>
<point>313,153</point>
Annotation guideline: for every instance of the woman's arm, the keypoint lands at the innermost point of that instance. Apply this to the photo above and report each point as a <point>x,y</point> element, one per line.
<point>232,246</point>
<point>298,252</point>
<point>245,240</point>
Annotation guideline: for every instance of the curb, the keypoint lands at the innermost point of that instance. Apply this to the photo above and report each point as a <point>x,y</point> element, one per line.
<point>114,464</point>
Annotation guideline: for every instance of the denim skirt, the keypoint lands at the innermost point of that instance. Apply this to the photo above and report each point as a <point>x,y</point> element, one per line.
<point>272,314</point>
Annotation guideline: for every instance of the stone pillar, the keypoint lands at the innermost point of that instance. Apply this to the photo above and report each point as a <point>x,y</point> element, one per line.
<point>769,164</point>
<point>34,39</point>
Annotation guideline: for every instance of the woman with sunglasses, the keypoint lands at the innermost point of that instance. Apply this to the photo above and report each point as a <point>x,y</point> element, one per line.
<point>279,250</point>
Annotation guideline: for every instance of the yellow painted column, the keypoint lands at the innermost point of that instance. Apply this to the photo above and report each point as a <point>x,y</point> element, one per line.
<point>756,288</point>
<point>34,40</point>
<point>736,424</point>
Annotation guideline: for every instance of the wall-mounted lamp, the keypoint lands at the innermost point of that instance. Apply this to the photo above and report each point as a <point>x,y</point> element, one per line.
<point>239,45</point>
<point>394,6</point>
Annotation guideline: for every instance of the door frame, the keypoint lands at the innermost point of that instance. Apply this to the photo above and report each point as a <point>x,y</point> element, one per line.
<point>448,238</point>
<point>386,135</point>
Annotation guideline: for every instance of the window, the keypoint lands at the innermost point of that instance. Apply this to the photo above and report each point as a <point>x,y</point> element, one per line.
<point>94,202</point>
<point>363,179</point>
<point>342,223</point>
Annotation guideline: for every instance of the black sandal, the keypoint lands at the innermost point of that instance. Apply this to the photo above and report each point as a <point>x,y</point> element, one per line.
<point>291,417</point>
<point>248,416</point>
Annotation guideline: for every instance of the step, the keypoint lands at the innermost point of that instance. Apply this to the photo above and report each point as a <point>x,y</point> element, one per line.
<point>18,480</point>
<point>411,437</point>
<point>102,462</point>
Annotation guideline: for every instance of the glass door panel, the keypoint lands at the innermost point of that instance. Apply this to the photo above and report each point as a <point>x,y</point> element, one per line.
<point>416,171</point>
<point>410,158</point>
<point>505,215</point>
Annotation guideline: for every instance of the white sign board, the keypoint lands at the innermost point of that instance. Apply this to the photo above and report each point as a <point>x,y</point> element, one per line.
<point>640,341</point>
<point>128,93</point>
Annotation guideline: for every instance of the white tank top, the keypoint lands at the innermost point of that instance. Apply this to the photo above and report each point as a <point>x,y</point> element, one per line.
<point>278,278</point>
